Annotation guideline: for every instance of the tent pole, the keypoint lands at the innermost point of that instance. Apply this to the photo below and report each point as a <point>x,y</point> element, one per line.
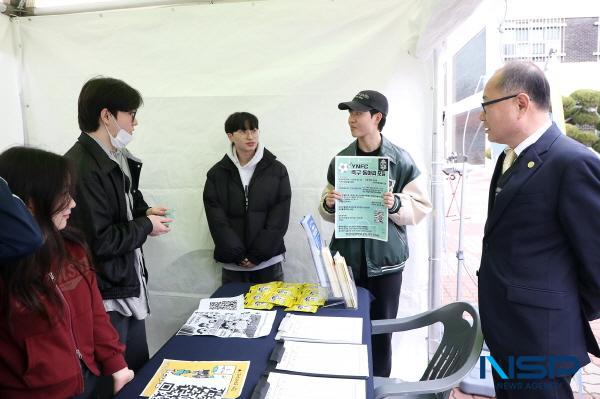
<point>18,48</point>
<point>437,191</point>
<point>93,6</point>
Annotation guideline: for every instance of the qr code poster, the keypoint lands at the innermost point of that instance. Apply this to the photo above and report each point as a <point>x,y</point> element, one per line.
<point>231,375</point>
<point>176,387</point>
<point>233,303</point>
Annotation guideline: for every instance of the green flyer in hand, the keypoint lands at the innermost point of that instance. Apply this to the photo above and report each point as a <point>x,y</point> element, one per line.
<point>362,181</point>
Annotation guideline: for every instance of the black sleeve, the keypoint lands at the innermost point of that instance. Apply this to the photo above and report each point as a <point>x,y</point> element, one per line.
<point>278,219</point>
<point>19,233</point>
<point>139,204</point>
<point>229,248</point>
<point>331,173</point>
<point>94,217</point>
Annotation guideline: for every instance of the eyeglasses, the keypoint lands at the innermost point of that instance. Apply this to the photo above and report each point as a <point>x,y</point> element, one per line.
<point>251,132</point>
<point>497,100</point>
<point>133,114</point>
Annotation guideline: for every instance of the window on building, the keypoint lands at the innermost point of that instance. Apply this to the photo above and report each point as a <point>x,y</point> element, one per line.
<point>538,48</point>
<point>532,39</point>
<point>469,67</point>
<point>521,35</point>
<point>552,34</point>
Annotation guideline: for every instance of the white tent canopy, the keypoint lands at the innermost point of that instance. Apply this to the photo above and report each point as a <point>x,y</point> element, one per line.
<point>288,62</point>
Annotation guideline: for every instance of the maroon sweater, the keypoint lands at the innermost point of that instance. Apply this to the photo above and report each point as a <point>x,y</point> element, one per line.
<point>41,358</point>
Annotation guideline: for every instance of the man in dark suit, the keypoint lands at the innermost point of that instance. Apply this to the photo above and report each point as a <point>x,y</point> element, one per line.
<point>539,279</point>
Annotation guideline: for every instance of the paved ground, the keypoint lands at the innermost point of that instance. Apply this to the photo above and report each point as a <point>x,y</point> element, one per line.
<point>475,208</point>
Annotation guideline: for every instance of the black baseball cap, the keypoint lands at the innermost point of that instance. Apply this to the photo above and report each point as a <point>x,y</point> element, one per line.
<point>367,100</point>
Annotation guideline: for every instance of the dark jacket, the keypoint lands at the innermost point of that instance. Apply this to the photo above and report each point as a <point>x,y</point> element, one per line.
<point>19,233</point>
<point>539,279</point>
<point>101,213</point>
<point>256,233</point>
<point>41,357</point>
<point>382,257</point>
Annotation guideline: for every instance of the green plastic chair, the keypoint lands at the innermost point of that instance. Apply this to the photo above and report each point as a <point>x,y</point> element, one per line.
<point>456,356</point>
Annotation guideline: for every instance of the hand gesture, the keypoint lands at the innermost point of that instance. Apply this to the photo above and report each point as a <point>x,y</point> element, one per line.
<point>388,199</point>
<point>331,197</point>
<point>160,225</point>
<point>120,378</point>
<point>157,210</point>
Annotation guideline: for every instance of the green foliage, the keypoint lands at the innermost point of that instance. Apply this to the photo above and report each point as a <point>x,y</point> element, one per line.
<point>568,107</point>
<point>582,108</point>
<point>586,98</point>
<point>572,130</point>
<point>586,138</point>
<point>582,117</point>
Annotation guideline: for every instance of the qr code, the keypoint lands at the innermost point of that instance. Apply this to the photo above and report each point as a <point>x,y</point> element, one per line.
<point>378,217</point>
<point>176,391</point>
<point>223,305</point>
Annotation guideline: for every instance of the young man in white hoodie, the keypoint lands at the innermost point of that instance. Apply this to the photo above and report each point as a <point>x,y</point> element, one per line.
<point>247,201</point>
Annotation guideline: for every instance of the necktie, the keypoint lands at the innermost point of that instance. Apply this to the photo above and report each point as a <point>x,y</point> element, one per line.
<point>509,158</point>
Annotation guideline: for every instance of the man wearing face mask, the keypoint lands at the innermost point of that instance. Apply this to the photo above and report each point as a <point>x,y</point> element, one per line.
<point>111,210</point>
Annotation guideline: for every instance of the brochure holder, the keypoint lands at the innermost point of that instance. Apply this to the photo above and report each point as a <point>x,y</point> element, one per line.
<point>333,273</point>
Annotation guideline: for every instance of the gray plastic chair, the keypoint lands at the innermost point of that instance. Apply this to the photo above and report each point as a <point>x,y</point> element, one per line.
<point>455,357</point>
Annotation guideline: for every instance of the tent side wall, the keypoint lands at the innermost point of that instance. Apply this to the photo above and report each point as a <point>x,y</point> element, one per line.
<point>289,63</point>
<point>10,106</point>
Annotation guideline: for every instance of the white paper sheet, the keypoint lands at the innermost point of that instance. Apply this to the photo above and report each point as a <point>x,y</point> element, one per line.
<point>288,386</point>
<point>326,359</point>
<point>229,324</point>
<point>343,330</point>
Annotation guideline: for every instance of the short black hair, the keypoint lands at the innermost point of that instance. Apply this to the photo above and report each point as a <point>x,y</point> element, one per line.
<point>526,77</point>
<point>381,122</point>
<point>240,121</point>
<point>102,92</point>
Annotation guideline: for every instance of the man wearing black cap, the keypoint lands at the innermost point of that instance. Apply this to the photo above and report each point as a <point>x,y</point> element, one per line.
<point>377,265</point>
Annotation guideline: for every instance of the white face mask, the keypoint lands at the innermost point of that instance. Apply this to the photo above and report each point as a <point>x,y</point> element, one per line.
<point>123,137</point>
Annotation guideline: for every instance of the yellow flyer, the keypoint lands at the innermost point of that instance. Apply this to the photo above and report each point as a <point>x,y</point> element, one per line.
<point>232,372</point>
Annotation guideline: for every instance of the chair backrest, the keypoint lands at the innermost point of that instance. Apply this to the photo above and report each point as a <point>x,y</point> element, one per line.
<point>453,360</point>
<point>457,343</point>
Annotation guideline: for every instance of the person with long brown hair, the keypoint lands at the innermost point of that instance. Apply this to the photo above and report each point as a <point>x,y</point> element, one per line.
<point>55,336</point>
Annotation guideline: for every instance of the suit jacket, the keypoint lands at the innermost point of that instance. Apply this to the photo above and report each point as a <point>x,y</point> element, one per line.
<point>539,279</point>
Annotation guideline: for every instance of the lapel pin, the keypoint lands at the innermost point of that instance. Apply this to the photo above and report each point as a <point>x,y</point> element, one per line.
<point>531,164</point>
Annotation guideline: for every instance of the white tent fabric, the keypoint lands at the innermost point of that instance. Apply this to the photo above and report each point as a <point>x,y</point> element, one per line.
<point>10,107</point>
<point>288,62</point>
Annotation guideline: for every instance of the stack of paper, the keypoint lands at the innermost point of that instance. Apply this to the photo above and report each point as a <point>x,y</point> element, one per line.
<point>345,360</point>
<point>336,290</point>
<point>342,330</point>
<point>346,281</point>
<point>290,386</point>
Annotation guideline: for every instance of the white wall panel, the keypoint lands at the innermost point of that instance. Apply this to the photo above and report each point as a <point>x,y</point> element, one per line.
<point>288,62</point>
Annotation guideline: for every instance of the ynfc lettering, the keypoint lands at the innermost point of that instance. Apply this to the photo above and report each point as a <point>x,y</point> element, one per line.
<point>359,165</point>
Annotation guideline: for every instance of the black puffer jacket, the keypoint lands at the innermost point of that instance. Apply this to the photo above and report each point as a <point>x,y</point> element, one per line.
<point>256,233</point>
<point>101,213</point>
